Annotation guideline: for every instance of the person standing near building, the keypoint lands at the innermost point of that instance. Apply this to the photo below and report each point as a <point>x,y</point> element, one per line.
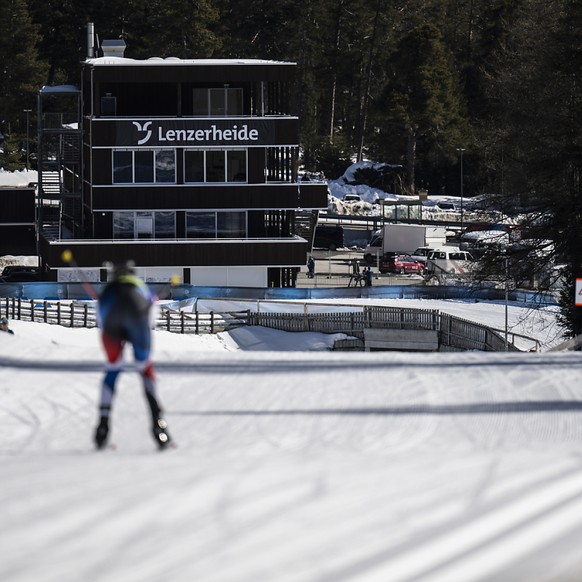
<point>124,316</point>
<point>311,267</point>
<point>369,276</point>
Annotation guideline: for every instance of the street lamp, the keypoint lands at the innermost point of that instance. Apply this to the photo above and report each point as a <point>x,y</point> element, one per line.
<point>27,111</point>
<point>461,150</point>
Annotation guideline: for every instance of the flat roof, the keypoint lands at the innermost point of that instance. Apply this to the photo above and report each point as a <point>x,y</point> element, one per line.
<point>175,61</point>
<point>59,89</point>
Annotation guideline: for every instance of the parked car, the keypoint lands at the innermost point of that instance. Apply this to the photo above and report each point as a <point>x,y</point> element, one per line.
<point>421,254</point>
<point>449,260</point>
<point>19,274</point>
<point>352,198</point>
<point>400,264</point>
<point>443,205</point>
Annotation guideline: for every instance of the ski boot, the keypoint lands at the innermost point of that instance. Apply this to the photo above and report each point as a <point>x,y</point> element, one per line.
<point>102,432</point>
<point>161,435</point>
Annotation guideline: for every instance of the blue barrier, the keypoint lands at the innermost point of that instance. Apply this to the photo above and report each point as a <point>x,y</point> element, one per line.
<point>56,291</point>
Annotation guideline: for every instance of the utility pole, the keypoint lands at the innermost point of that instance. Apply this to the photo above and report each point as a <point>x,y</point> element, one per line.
<point>461,150</point>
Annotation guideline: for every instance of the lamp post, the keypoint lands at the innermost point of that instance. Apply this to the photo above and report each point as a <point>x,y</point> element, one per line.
<point>27,111</point>
<point>461,150</point>
<point>506,300</point>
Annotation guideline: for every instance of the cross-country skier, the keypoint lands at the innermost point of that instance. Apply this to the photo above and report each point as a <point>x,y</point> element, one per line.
<point>124,311</point>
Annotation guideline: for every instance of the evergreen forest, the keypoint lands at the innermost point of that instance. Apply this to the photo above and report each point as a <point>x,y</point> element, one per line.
<point>427,84</point>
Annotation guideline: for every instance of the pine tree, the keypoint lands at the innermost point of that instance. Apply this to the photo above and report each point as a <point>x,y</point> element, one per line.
<point>536,128</point>
<point>21,71</point>
<point>181,28</point>
<point>421,101</point>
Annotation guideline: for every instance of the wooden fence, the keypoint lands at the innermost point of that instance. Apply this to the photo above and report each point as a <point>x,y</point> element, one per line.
<point>83,314</point>
<point>352,323</point>
<point>455,334</point>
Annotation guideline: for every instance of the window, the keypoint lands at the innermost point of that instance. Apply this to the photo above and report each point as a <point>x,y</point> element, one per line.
<point>231,224</point>
<point>200,224</point>
<point>236,166</point>
<point>122,167</point>
<point>217,102</point>
<point>144,225</point>
<point>165,224</point>
<point>165,166</point>
<point>216,224</point>
<point>215,165</point>
<point>193,166</point>
<point>123,225</point>
<point>144,166</point>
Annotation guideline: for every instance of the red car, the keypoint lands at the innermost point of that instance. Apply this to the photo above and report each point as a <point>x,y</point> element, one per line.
<point>400,264</point>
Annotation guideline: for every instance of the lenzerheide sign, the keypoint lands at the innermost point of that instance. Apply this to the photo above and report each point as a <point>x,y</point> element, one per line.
<point>195,133</point>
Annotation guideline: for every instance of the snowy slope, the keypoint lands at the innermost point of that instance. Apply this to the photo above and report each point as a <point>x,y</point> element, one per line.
<point>291,466</point>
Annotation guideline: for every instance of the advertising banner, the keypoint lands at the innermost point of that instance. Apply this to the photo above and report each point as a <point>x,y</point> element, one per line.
<point>578,292</point>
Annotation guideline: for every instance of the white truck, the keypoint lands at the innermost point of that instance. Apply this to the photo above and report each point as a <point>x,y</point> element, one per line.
<point>403,239</point>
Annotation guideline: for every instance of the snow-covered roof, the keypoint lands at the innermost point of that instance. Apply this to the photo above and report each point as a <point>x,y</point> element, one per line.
<point>59,89</point>
<point>175,61</point>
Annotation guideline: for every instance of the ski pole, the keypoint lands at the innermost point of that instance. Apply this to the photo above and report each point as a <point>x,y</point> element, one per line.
<point>67,257</point>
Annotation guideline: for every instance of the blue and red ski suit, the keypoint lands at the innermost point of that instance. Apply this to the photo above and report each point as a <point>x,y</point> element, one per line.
<point>124,311</point>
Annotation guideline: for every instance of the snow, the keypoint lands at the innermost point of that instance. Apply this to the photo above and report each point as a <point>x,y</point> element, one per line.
<point>293,463</point>
<point>174,61</point>
<point>536,322</point>
<point>346,185</point>
<point>17,179</point>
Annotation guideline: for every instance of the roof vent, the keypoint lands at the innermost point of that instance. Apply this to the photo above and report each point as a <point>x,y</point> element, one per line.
<point>113,48</point>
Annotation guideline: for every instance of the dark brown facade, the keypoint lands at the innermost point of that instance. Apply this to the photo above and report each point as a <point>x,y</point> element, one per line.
<point>189,167</point>
<point>17,221</point>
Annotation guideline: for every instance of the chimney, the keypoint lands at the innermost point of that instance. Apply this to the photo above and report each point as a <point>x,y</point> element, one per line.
<point>90,40</point>
<point>113,48</point>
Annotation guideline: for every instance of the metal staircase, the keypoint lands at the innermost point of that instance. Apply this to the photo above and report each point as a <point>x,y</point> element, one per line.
<point>305,223</point>
<point>59,162</point>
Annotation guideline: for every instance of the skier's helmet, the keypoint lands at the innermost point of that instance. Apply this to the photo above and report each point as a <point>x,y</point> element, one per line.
<point>123,269</point>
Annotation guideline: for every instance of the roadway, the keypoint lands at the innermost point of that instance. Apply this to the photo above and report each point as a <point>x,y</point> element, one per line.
<point>333,269</point>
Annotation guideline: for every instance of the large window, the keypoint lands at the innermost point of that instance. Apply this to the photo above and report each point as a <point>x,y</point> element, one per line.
<point>144,166</point>
<point>218,102</point>
<point>144,224</point>
<point>216,224</point>
<point>215,165</point>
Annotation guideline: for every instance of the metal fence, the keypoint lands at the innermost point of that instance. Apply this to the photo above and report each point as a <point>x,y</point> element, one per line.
<point>455,334</point>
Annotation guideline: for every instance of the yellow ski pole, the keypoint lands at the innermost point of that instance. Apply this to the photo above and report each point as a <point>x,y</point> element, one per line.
<point>67,257</point>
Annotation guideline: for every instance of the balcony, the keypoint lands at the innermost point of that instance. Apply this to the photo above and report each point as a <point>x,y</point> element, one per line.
<point>228,196</point>
<point>271,252</point>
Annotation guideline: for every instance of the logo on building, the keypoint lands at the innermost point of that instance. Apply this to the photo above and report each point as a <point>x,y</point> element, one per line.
<point>144,128</point>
